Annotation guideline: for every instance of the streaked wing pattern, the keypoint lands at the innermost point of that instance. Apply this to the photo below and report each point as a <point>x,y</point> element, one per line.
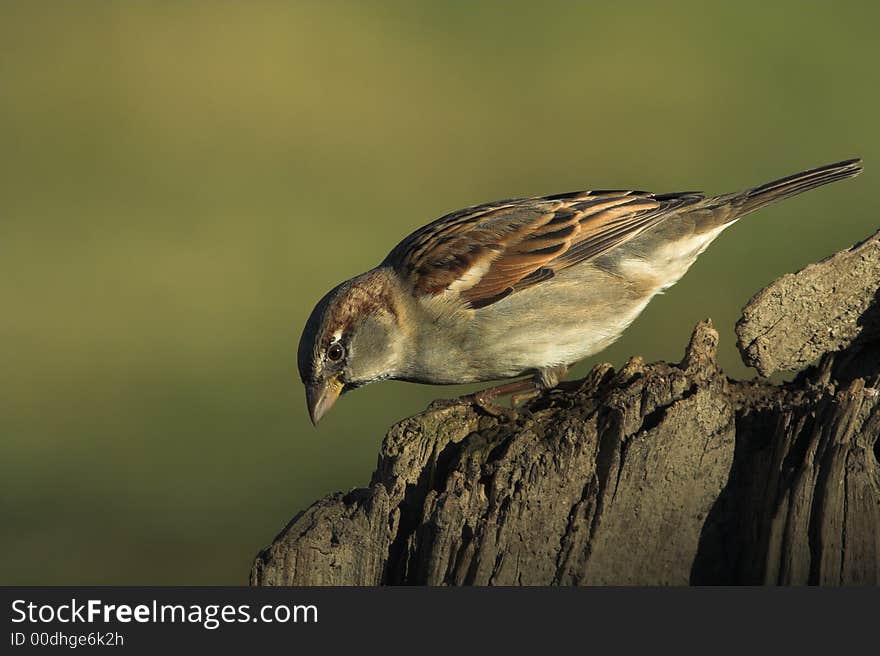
<point>487,252</point>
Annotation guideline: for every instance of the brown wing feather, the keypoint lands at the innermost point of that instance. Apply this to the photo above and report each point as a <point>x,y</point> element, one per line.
<point>489,251</point>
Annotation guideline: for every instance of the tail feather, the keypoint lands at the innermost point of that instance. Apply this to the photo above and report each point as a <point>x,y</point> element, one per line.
<point>761,196</point>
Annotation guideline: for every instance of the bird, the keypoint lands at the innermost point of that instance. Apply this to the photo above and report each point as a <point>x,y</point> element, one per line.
<point>518,289</point>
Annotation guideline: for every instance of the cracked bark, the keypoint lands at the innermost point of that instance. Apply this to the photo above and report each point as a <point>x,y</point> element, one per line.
<point>654,474</point>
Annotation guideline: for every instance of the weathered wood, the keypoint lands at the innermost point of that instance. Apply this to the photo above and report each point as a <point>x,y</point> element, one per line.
<point>655,474</point>
<point>820,309</point>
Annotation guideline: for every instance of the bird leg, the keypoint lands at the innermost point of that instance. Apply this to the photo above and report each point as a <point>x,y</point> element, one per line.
<point>485,399</point>
<point>520,391</point>
<point>549,378</point>
<point>522,397</point>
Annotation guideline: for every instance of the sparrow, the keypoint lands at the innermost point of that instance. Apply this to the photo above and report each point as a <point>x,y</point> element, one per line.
<point>520,287</point>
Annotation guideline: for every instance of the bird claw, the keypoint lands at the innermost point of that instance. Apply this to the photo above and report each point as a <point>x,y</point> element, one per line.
<point>497,411</point>
<point>518,400</point>
<point>485,404</point>
<point>475,401</point>
<point>519,392</point>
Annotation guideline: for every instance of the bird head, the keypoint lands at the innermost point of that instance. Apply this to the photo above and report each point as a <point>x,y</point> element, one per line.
<point>352,338</point>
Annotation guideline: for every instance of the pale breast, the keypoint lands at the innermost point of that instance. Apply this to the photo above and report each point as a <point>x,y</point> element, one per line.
<point>579,312</point>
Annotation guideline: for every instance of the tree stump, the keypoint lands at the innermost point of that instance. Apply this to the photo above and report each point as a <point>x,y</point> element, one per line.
<point>659,474</point>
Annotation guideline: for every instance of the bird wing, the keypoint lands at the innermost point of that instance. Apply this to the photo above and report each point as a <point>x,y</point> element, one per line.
<point>487,252</point>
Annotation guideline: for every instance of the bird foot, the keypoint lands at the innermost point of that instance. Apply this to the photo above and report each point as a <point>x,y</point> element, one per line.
<point>474,400</point>
<point>485,404</point>
<point>519,391</point>
<point>524,397</point>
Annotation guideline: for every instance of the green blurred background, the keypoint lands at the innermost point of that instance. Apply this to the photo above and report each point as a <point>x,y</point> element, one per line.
<point>180,182</point>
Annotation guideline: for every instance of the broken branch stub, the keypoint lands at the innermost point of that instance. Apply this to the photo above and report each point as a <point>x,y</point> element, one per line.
<point>821,309</point>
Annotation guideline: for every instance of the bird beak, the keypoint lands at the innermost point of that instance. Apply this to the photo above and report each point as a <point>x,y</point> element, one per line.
<point>320,397</point>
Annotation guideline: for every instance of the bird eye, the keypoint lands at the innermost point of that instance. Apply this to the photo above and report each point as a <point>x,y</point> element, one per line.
<point>335,352</point>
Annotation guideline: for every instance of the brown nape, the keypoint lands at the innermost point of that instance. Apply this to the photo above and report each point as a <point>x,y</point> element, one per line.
<point>359,298</point>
